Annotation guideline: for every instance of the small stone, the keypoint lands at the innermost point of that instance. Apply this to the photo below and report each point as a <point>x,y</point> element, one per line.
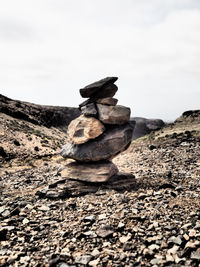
<point>173,250</point>
<point>124,239</point>
<point>89,110</point>
<point>192,233</point>
<point>191,244</point>
<point>95,252</point>
<point>44,208</point>
<point>90,218</point>
<point>110,101</point>
<point>94,262</point>
<point>195,255</point>
<point>83,259</point>
<point>120,225</point>
<point>153,247</point>
<point>186,237</point>
<point>25,221</point>
<point>176,240</point>
<point>169,258</point>
<point>83,128</point>
<point>113,114</point>
<point>105,231</point>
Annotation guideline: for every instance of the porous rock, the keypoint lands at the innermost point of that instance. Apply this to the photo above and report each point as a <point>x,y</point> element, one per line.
<point>83,129</point>
<point>90,172</point>
<point>106,146</point>
<point>113,114</point>
<point>93,88</point>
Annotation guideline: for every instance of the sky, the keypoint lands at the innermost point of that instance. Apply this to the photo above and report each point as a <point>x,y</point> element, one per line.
<point>49,49</point>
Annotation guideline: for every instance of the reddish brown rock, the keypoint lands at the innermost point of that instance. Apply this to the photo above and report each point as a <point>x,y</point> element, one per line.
<point>90,172</point>
<point>110,101</point>
<point>83,129</point>
<point>113,114</point>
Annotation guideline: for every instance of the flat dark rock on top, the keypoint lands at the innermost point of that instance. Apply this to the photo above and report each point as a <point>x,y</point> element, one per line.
<point>93,88</point>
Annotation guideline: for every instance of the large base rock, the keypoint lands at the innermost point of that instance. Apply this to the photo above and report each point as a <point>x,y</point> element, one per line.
<point>106,146</point>
<point>113,114</point>
<point>83,129</point>
<point>66,188</point>
<point>90,172</point>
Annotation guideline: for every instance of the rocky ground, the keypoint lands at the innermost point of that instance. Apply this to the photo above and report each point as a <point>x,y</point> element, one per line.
<point>149,215</point>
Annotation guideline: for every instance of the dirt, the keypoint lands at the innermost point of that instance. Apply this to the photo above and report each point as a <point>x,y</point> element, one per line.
<point>147,216</point>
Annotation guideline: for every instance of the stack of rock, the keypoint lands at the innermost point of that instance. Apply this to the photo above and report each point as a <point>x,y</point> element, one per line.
<point>100,133</point>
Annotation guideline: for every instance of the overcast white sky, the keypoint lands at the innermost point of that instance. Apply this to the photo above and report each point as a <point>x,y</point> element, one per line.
<point>49,49</point>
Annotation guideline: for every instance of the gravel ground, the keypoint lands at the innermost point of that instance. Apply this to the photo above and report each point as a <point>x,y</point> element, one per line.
<point>153,222</point>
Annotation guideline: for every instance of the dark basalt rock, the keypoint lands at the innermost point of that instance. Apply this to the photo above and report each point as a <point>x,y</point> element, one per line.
<point>108,145</point>
<point>89,110</point>
<point>92,89</point>
<point>144,126</point>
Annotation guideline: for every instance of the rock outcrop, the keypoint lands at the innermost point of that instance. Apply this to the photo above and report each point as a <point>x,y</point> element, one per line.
<point>48,116</point>
<point>144,126</point>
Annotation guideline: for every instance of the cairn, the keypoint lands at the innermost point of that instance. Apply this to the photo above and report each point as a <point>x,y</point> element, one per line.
<point>100,133</point>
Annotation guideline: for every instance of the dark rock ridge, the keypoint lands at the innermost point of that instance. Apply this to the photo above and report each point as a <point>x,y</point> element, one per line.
<point>48,116</point>
<point>189,115</point>
<point>144,126</point>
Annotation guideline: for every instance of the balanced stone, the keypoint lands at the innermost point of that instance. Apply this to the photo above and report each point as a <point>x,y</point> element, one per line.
<point>92,89</point>
<point>113,114</point>
<point>106,146</point>
<point>110,101</point>
<point>83,129</point>
<point>90,172</point>
<point>89,110</point>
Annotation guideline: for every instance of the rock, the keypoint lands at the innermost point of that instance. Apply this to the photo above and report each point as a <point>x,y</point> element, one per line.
<point>145,126</point>
<point>90,172</point>
<point>83,259</point>
<point>89,110</point>
<point>92,89</point>
<point>110,101</point>
<point>195,255</point>
<point>113,114</point>
<point>83,129</point>
<point>106,146</point>
<point>176,240</point>
<point>105,231</point>
<point>124,239</point>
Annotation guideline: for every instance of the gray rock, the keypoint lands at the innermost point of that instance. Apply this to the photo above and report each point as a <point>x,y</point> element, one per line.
<point>113,114</point>
<point>83,129</point>
<point>92,89</point>
<point>108,145</point>
<point>90,172</point>
<point>83,259</point>
<point>105,231</point>
<point>89,110</point>
<point>110,101</point>
<point>145,126</point>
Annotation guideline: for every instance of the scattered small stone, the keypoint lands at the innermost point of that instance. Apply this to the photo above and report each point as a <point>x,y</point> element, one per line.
<point>105,231</point>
